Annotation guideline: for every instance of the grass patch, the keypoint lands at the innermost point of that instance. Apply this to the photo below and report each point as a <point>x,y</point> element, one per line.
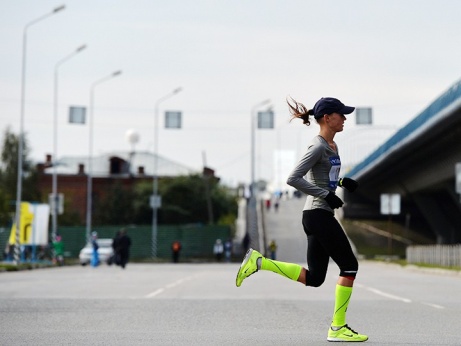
<point>389,240</point>
<point>10,267</point>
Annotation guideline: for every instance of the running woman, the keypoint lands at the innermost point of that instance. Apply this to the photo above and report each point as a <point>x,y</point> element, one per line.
<point>325,235</point>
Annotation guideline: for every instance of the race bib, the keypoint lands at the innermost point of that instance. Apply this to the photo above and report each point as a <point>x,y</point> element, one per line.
<point>335,162</point>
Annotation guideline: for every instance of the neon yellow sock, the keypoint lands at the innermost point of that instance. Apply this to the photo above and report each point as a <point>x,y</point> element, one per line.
<point>343,296</point>
<point>288,270</point>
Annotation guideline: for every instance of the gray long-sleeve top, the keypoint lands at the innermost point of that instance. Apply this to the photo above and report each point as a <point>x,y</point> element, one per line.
<point>322,165</point>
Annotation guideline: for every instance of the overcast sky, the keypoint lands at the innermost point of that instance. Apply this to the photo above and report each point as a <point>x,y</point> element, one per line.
<point>395,56</point>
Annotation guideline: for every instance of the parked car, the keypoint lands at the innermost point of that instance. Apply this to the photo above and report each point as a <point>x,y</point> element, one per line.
<point>105,252</point>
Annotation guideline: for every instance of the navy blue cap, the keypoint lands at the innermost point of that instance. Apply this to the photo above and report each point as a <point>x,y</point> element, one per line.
<point>329,105</point>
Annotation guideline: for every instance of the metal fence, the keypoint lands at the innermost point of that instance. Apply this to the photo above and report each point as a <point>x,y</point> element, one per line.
<point>197,240</point>
<point>442,255</point>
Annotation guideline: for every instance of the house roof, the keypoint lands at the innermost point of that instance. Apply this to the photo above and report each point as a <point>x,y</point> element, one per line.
<point>101,165</point>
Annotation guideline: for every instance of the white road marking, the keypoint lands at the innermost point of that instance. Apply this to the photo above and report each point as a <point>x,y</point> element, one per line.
<point>171,285</point>
<point>176,283</point>
<point>435,306</point>
<point>153,294</point>
<point>391,296</point>
<point>388,295</point>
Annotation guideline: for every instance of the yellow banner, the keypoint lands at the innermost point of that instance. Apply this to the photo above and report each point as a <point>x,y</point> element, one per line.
<point>25,225</point>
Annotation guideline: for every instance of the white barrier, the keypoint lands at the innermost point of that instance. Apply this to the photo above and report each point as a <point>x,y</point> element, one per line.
<point>442,255</point>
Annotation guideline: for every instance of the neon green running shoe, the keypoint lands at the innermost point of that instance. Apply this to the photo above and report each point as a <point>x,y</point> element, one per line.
<point>248,266</point>
<point>345,334</point>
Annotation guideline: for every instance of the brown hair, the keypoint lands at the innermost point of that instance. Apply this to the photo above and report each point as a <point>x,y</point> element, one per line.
<point>298,110</point>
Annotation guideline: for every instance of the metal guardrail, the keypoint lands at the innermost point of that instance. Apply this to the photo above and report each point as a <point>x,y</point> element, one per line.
<point>442,255</point>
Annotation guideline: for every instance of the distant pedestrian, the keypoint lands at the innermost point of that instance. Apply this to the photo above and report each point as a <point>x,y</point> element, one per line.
<point>123,246</point>
<point>228,250</point>
<point>218,250</point>
<point>8,252</point>
<point>246,242</point>
<point>116,257</point>
<point>95,255</point>
<point>176,249</point>
<point>273,249</point>
<point>321,165</point>
<point>58,250</point>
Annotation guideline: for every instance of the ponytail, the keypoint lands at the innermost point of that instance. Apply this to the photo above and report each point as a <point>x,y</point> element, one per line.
<point>298,110</point>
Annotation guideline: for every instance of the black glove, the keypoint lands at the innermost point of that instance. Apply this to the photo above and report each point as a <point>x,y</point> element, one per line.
<point>333,200</point>
<point>349,184</point>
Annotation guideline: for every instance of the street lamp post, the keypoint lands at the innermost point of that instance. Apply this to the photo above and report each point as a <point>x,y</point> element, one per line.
<point>21,129</point>
<point>253,130</point>
<point>89,198</point>
<point>155,200</point>
<point>252,217</point>
<point>54,212</point>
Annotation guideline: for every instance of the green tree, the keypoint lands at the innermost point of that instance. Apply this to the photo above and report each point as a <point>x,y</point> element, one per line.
<point>225,205</point>
<point>184,200</point>
<point>141,203</point>
<point>9,175</point>
<point>116,208</point>
<point>5,212</point>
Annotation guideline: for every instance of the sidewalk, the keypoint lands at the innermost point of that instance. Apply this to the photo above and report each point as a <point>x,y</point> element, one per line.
<point>284,226</point>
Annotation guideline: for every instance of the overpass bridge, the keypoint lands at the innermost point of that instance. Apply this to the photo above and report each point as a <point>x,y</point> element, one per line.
<point>417,162</point>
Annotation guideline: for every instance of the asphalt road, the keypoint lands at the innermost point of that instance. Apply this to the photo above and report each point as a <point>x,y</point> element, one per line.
<point>198,304</point>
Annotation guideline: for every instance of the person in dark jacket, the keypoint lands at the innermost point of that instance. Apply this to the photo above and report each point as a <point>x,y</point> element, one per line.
<point>115,258</point>
<point>176,249</point>
<point>123,248</point>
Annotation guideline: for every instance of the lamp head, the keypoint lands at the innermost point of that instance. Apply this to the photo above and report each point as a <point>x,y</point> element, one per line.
<point>60,8</point>
<point>265,102</point>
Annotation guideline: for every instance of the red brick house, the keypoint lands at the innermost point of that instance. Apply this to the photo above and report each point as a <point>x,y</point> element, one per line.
<point>124,167</point>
